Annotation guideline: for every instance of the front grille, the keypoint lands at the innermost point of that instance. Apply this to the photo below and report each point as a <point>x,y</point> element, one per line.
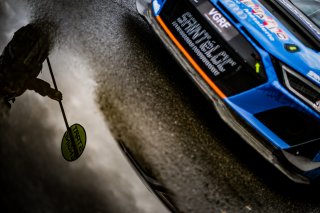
<point>302,87</point>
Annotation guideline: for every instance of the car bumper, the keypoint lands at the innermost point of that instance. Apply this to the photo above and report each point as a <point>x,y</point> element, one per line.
<point>257,140</point>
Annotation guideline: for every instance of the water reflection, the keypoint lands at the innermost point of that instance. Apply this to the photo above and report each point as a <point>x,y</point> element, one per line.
<point>13,15</point>
<point>21,62</point>
<point>34,176</point>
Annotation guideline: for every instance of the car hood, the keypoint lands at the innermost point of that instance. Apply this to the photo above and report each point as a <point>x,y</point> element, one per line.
<point>274,37</point>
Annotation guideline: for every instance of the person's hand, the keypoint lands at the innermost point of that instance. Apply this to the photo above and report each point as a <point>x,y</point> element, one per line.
<point>55,95</point>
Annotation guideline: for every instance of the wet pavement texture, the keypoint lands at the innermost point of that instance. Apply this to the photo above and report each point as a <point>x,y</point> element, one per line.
<point>115,74</point>
<point>34,176</point>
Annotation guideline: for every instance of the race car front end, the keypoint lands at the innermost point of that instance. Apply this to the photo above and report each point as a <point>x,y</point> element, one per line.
<point>263,81</point>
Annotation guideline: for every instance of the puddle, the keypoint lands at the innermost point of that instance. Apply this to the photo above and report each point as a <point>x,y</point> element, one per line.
<point>35,177</point>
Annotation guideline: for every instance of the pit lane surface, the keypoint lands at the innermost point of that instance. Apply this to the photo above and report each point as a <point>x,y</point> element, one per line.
<point>152,107</point>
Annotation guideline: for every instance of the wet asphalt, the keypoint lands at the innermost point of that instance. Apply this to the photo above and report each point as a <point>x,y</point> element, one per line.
<point>117,76</point>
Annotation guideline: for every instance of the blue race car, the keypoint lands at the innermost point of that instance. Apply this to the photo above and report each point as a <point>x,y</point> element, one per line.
<point>258,61</point>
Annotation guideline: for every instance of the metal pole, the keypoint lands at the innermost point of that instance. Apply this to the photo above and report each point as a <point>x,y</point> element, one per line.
<point>62,110</point>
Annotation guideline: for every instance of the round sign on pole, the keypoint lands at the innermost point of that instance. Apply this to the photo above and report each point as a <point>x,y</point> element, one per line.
<point>68,148</point>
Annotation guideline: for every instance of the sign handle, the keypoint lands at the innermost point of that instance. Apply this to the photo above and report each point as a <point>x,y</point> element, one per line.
<point>63,112</point>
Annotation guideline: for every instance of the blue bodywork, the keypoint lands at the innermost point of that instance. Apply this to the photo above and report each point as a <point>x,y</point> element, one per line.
<point>270,40</point>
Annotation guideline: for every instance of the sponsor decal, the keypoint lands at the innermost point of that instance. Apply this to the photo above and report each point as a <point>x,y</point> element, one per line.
<point>259,24</point>
<point>268,22</point>
<point>202,43</point>
<point>218,19</point>
<point>272,25</point>
<point>259,12</point>
<point>248,8</point>
<point>234,7</point>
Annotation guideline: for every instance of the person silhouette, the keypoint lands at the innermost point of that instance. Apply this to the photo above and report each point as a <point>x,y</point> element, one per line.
<point>21,62</point>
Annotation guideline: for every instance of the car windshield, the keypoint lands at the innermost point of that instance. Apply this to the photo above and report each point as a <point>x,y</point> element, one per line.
<point>310,8</point>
